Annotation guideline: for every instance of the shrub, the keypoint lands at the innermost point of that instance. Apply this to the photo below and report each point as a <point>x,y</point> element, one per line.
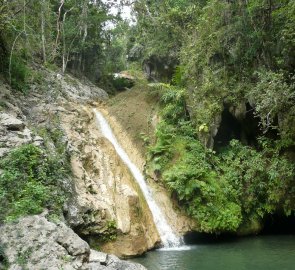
<point>224,191</point>
<point>30,181</point>
<point>19,74</point>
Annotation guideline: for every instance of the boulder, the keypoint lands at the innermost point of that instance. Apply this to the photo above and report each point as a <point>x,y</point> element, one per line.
<point>35,243</point>
<point>118,264</point>
<point>11,122</point>
<point>14,133</point>
<point>122,80</point>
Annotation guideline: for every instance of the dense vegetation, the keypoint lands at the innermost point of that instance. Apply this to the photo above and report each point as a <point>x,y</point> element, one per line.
<point>219,57</point>
<point>68,35</point>
<point>34,178</point>
<point>30,181</point>
<point>223,52</point>
<point>229,191</point>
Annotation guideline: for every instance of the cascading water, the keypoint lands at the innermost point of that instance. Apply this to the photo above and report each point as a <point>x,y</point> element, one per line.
<point>168,238</point>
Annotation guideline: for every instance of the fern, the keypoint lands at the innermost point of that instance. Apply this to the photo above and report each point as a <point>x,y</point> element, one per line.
<point>177,78</point>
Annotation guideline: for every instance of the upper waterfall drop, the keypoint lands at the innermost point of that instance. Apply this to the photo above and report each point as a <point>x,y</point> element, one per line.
<point>168,238</point>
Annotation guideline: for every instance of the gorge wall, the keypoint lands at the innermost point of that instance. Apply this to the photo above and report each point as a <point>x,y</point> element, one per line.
<point>105,206</point>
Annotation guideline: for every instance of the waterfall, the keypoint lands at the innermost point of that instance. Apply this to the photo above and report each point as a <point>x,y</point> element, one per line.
<point>168,238</point>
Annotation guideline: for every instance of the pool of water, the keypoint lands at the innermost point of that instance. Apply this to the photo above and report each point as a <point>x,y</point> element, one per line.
<point>257,253</point>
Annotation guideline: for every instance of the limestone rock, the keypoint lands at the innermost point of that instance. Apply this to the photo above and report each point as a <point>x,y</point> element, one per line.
<point>95,266</point>
<point>4,151</point>
<point>35,243</point>
<point>73,89</point>
<point>117,264</point>
<point>11,122</point>
<point>43,245</point>
<point>96,256</point>
<point>176,217</point>
<point>103,192</point>
<point>14,133</point>
<point>106,199</point>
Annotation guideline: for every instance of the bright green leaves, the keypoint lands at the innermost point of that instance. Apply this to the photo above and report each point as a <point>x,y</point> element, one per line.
<point>263,180</point>
<point>207,197</point>
<point>219,46</point>
<point>272,95</point>
<point>173,99</point>
<point>203,128</point>
<point>226,192</point>
<point>29,181</point>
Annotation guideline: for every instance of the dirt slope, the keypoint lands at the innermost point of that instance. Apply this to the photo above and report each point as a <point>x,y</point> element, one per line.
<point>132,113</point>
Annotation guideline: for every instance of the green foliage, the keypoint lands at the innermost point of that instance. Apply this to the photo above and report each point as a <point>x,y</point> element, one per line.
<point>224,191</point>
<point>160,26</point>
<point>273,95</point>
<point>218,47</point>
<point>122,83</point>
<point>19,74</point>
<point>173,98</point>
<point>110,231</point>
<point>30,181</point>
<point>227,53</point>
<point>71,34</point>
<point>177,78</point>
<point>23,257</point>
<point>266,178</point>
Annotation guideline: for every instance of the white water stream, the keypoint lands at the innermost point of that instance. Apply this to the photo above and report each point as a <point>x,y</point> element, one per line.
<point>168,238</point>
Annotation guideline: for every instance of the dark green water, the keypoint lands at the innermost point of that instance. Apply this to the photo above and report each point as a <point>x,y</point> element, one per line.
<point>254,253</point>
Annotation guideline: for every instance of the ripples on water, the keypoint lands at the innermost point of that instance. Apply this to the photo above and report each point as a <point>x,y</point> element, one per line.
<point>257,253</point>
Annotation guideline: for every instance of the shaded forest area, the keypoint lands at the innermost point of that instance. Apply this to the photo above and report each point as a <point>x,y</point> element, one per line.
<point>67,35</point>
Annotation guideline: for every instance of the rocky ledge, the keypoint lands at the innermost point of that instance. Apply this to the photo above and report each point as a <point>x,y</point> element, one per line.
<point>35,243</point>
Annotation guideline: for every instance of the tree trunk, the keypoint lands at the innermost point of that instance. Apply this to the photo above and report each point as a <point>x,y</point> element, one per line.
<point>65,52</point>
<point>43,3</point>
<point>58,28</point>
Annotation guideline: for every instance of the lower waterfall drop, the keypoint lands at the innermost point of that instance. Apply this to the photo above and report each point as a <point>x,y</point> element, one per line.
<point>168,238</point>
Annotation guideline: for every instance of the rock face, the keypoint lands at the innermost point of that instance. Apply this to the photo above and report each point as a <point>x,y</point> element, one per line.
<point>11,123</point>
<point>107,203</point>
<point>74,90</point>
<point>18,112</point>
<point>133,114</point>
<point>106,206</point>
<point>14,133</point>
<point>35,243</point>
